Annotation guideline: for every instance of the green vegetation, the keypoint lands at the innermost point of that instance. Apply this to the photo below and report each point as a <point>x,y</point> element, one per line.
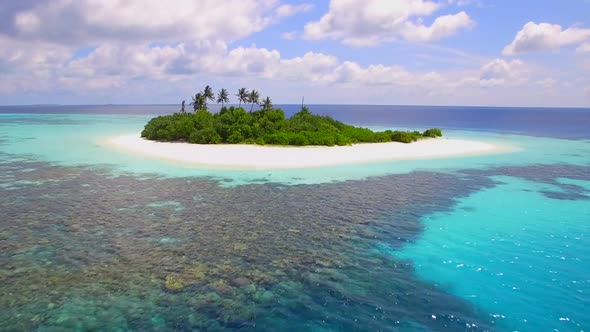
<point>267,125</point>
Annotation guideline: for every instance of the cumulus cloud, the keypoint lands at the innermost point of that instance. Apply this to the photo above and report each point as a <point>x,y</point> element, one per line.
<point>29,67</point>
<point>39,40</point>
<point>131,61</point>
<point>535,37</point>
<point>119,72</point>
<point>246,61</point>
<point>311,67</point>
<point>141,20</point>
<point>443,26</point>
<point>39,56</point>
<point>159,54</point>
<point>502,72</point>
<point>121,63</point>
<point>363,23</point>
<point>116,65</point>
<point>168,63</point>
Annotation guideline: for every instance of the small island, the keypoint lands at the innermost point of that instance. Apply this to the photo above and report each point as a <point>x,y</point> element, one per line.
<point>256,135</point>
<point>266,125</point>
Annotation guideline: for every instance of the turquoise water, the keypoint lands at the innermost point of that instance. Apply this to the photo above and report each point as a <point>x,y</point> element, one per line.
<point>93,238</point>
<point>80,139</point>
<point>516,253</point>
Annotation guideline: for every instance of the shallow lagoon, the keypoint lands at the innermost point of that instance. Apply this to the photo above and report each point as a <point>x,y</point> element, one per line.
<point>95,239</point>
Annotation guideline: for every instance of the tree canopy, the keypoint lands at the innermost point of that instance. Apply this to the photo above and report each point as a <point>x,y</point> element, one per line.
<point>268,125</point>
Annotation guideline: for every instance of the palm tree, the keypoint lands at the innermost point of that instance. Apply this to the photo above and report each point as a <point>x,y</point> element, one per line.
<point>253,98</point>
<point>242,96</point>
<point>194,103</point>
<point>182,107</point>
<point>199,102</point>
<point>267,104</point>
<point>208,95</point>
<point>222,97</point>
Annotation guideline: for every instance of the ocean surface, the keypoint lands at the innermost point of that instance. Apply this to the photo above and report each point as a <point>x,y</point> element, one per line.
<point>93,239</point>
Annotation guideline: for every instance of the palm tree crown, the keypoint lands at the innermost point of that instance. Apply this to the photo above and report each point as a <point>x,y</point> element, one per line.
<point>208,93</point>
<point>199,102</point>
<point>242,96</point>
<point>267,103</point>
<point>222,97</point>
<point>253,98</point>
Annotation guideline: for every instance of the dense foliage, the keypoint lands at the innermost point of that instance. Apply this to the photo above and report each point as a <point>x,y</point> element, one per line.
<point>268,126</point>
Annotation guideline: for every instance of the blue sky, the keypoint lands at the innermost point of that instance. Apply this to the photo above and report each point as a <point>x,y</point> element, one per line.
<point>420,52</point>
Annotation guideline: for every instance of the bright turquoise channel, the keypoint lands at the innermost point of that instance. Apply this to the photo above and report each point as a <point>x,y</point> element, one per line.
<point>521,256</point>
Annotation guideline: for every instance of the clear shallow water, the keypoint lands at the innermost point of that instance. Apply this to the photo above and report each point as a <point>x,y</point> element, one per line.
<point>536,248</point>
<point>95,239</point>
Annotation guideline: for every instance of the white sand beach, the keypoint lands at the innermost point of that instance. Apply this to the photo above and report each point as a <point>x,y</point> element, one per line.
<point>280,157</point>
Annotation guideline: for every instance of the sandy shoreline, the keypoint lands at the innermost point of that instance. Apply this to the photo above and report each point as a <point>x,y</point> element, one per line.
<point>280,157</point>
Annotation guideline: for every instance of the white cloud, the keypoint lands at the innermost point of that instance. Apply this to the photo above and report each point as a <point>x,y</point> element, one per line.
<point>311,67</point>
<point>16,54</point>
<point>29,67</point>
<point>94,84</point>
<point>127,71</point>
<point>363,23</point>
<point>210,59</point>
<point>27,22</point>
<point>289,35</point>
<point>460,2</point>
<point>584,48</point>
<point>502,72</point>
<point>249,61</point>
<point>96,21</point>
<point>443,26</point>
<point>290,10</point>
<point>547,83</point>
<point>148,57</point>
<point>545,37</point>
<point>125,60</point>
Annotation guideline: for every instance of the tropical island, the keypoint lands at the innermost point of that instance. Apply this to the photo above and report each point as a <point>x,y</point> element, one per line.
<point>256,135</point>
<point>265,125</point>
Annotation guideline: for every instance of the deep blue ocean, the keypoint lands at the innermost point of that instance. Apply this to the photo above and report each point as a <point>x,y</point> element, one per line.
<point>554,122</point>
<point>94,239</point>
